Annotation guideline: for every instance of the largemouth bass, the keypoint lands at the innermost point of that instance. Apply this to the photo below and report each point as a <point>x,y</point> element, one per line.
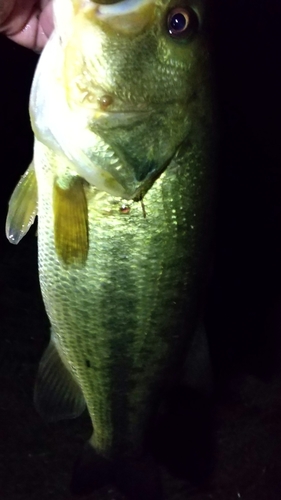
<point>122,182</point>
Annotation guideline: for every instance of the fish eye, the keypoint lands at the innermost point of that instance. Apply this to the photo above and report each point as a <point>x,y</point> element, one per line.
<point>182,22</point>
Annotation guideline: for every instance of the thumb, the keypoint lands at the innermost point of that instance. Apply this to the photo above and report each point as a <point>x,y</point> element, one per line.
<point>14,15</point>
<point>24,22</point>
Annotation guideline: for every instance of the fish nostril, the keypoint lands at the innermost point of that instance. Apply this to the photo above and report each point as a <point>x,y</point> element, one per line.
<point>105,101</point>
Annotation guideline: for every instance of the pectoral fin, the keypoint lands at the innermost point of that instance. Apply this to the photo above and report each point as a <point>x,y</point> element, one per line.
<point>22,207</point>
<point>71,221</point>
<point>57,395</point>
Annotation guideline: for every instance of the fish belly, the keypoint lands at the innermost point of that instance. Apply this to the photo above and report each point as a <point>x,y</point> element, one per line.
<point>124,319</point>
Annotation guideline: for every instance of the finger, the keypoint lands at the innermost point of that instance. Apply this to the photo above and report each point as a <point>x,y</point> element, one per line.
<point>14,15</point>
<point>46,19</point>
<point>37,29</point>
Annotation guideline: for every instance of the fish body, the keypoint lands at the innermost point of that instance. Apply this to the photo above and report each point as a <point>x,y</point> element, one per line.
<point>122,112</point>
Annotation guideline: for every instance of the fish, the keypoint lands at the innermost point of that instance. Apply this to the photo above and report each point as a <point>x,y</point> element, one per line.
<point>122,182</point>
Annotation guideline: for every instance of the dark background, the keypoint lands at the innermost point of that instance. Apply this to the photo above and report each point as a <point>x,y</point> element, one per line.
<point>244,300</point>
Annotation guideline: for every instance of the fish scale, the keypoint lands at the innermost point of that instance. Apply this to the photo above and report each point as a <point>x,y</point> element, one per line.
<point>124,172</point>
<point>123,312</point>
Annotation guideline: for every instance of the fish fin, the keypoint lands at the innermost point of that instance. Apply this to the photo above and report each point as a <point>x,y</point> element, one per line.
<point>188,451</point>
<point>136,479</point>
<point>22,207</point>
<point>57,395</point>
<point>91,472</point>
<point>71,221</point>
<point>197,369</point>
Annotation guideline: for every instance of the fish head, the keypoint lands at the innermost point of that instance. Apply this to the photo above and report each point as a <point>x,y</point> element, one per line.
<point>138,70</point>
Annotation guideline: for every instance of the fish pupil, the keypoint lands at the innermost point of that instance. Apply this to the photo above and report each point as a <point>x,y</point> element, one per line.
<point>178,22</point>
<point>182,22</point>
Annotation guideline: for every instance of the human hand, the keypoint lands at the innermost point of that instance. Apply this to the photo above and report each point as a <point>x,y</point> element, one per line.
<point>27,22</point>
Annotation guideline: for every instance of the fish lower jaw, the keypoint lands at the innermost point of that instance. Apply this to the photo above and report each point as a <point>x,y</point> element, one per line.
<point>101,109</point>
<point>120,116</point>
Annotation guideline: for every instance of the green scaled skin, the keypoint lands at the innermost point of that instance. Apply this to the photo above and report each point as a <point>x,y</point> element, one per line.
<point>124,160</point>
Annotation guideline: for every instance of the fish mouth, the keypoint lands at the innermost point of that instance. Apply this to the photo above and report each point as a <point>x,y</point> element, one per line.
<point>107,2</point>
<point>127,16</point>
<point>119,118</point>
